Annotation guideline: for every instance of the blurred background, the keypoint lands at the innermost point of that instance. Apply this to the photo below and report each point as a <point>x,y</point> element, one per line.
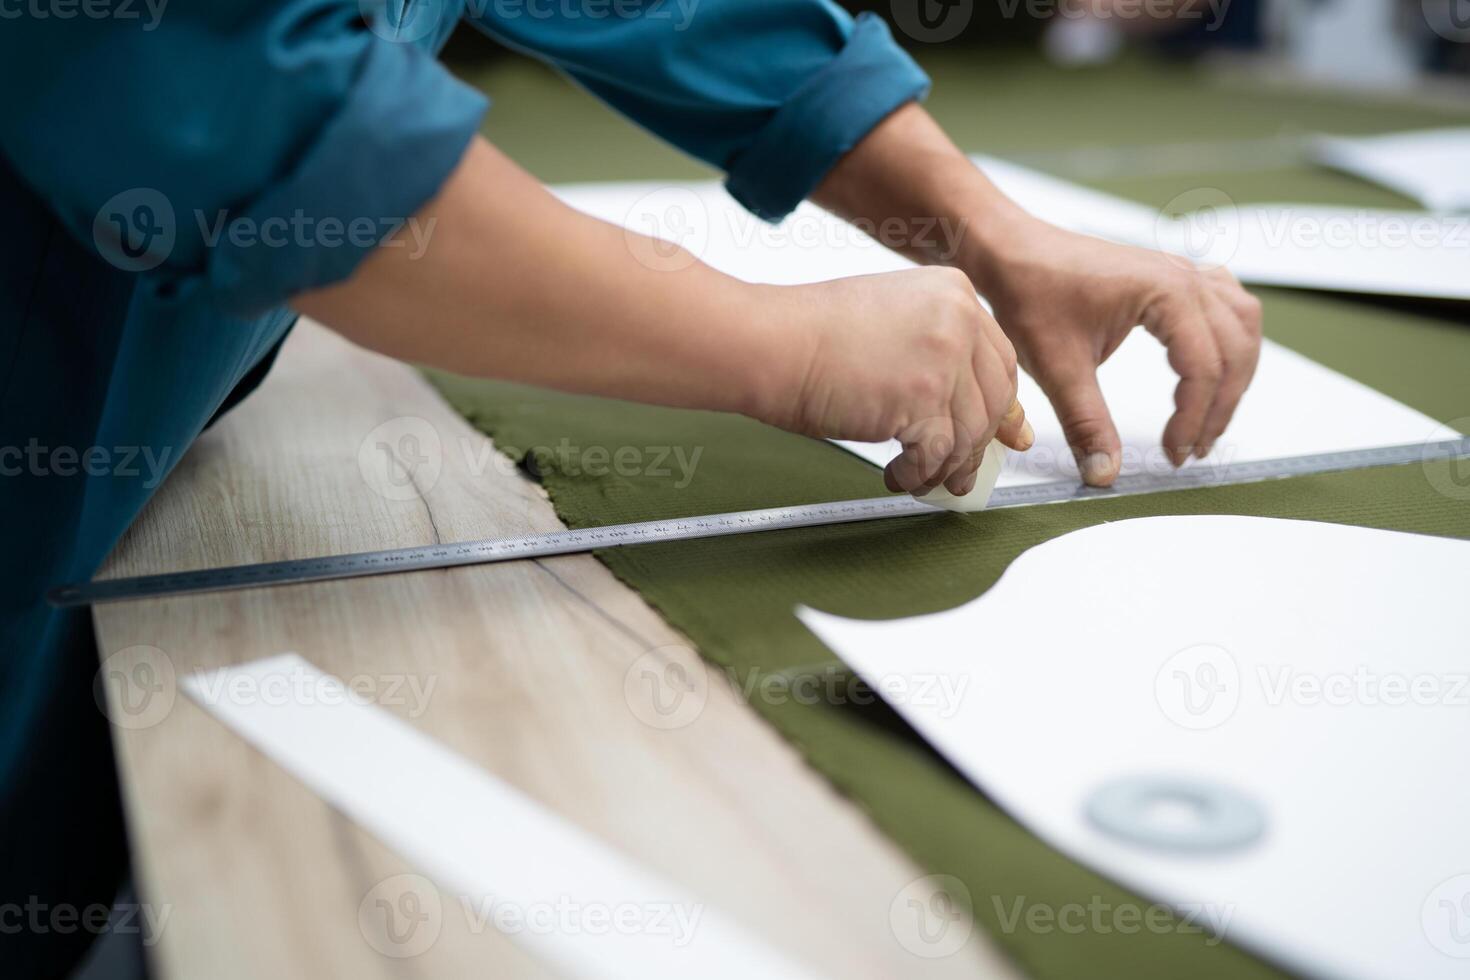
<point>1145,98</point>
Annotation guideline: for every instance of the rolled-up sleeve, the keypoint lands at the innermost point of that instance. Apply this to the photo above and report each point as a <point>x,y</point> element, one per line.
<point>773,93</point>
<point>254,149</point>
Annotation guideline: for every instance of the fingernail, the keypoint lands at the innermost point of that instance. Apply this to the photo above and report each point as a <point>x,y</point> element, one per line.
<point>1028,436</point>
<point>1098,468</point>
<point>1200,452</point>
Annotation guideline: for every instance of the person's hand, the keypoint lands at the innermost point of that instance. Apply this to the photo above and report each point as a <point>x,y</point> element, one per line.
<point>1067,301</point>
<point>909,355</point>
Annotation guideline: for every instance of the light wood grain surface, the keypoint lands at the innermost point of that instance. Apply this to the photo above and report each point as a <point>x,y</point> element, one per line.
<point>538,671</point>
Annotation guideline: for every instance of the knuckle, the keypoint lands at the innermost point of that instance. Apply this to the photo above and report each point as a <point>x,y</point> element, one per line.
<point>1211,370</point>
<point>924,386</point>
<point>949,336</point>
<point>1239,350</point>
<point>940,447</point>
<point>1008,357</point>
<point>973,430</point>
<point>1251,316</point>
<point>1080,421</point>
<point>955,280</point>
<point>997,403</point>
<point>1182,279</point>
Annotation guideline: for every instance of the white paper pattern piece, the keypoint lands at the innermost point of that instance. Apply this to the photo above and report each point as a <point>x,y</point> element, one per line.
<point>1396,253</point>
<point>1294,407</point>
<point>1355,250</point>
<point>1073,206</point>
<point>477,837</point>
<point>1316,671</point>
<point>1432,166</point>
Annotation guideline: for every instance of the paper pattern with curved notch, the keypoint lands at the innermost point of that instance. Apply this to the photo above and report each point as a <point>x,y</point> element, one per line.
<point>1319,670</point>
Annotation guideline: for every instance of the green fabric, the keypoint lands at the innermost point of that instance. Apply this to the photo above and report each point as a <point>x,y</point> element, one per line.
<point>733,597</point>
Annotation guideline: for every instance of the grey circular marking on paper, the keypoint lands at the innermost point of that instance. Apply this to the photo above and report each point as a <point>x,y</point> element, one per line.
<point>1176,814</point>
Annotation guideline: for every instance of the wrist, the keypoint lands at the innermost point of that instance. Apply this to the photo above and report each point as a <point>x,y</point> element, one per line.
<point>767,334</point>
<point>999,234</point>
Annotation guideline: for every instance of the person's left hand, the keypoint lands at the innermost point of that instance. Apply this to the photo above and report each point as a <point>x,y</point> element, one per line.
<point>1067,301</point>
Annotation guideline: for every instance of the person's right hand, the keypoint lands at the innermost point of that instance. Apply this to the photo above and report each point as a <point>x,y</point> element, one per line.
<point>909,355</point>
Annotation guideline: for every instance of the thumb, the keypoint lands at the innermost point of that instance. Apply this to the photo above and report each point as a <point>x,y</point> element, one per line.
<point>1089,428</point>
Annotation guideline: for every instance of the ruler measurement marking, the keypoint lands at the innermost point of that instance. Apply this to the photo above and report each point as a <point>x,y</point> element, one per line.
<point>572,541</point>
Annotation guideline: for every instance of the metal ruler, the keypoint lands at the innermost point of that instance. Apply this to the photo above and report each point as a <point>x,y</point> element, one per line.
<point>716,525</point>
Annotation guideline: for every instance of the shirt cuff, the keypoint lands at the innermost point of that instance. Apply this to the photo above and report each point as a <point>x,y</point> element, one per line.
<point>397,136</point>
<point>827,116</point>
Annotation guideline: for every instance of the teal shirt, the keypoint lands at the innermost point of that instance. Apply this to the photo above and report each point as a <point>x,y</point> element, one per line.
<point>169,182</point>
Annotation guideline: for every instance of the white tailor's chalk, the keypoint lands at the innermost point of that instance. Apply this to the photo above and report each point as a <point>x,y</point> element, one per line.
<point>985,477</point>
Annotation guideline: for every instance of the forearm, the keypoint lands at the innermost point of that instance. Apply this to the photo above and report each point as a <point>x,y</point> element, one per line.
<point>515,285</point>
<point>924,198</point>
